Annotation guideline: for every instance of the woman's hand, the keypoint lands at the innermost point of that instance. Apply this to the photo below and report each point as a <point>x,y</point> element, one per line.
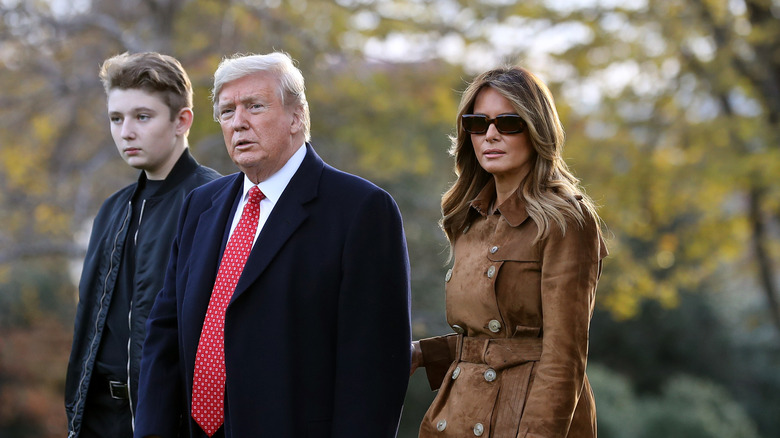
<point>417,357</point>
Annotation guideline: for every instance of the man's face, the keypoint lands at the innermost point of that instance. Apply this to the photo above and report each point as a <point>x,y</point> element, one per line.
<point>260,133</point>
<point>143,131</point>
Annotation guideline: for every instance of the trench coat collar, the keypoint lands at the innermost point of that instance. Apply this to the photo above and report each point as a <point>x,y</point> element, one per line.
<point>513,209</point>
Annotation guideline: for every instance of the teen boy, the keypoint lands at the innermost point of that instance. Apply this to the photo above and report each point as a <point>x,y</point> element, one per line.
<point>149,98</point>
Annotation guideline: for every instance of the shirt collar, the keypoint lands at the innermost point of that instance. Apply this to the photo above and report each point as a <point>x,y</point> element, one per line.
<point>273,187</point>
<point>513,209</point>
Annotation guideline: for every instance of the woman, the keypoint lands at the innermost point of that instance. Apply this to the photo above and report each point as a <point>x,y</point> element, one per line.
<point>527,250</point>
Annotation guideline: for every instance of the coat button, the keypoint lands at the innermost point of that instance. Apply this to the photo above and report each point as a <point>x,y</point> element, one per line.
<point>491,271</point>
<point>455,373</point>
<point>479,429</point>
<point>493,250</point>
<point>441,425</point>
<point>458,329</point>
<point>448,276</point>
<point>490,375</point>
<point>494,326</point>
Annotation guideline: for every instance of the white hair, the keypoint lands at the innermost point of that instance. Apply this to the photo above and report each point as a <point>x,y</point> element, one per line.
<point>292,89</point>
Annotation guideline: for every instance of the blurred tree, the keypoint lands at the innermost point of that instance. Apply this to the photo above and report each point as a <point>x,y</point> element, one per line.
<point>687,132</point>
<point>670,107</point>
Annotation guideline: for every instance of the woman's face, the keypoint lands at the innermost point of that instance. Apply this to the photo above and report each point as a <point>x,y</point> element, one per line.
<point>508,157</point>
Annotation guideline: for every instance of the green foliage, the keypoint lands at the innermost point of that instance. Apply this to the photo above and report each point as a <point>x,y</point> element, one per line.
<point>687,407</point>
<point>618,412</point>
<point>418,397</point>
<point>32,293</point>
<point>385,121</point>
<point>711,336</point>
<point>691,408</point>
<point>659,343</point>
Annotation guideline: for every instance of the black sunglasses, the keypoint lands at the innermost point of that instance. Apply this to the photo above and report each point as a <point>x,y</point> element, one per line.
<point>505,123</point>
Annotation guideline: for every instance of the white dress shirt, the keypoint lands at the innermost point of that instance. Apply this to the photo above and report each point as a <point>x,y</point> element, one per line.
<point>272,188</point>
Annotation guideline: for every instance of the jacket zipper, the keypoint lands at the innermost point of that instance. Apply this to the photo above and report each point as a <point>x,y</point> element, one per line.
<point>129,392</point>
<point>130,325</point>
<point>76,407</point>
<point>140,219</point>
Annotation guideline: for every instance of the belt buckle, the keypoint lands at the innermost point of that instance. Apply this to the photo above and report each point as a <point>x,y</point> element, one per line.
<point>118,390</point>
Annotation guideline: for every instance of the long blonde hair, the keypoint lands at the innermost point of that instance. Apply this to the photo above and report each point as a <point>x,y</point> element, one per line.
<point>551,192</point>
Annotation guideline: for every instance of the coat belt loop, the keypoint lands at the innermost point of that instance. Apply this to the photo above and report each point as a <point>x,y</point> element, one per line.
<point>459,347</point>
<point>485,346</point>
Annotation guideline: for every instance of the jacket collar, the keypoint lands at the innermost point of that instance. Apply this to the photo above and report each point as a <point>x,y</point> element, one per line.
<point>184,166</point>
<point>513,209</point>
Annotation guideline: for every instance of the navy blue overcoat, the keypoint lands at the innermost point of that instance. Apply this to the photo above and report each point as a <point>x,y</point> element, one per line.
<point>317,333</point>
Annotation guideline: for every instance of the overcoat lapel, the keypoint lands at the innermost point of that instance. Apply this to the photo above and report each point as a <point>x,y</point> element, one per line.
<point>212,230</point>
<point>288,214</point>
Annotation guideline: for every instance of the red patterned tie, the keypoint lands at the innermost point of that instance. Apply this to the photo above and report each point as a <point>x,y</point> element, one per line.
<point>208,383</point>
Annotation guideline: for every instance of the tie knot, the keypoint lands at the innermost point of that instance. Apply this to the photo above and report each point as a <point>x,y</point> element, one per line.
<point>255,195</point>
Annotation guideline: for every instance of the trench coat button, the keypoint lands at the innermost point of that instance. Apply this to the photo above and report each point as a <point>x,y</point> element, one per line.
<point>494,326</point>
<point>490,375</point>
<point>448,276</point>
<point>479,429</point>
<point>491,271</point>
<point>458,329</point>
<point>441,425</point>
<point>455,373</point>
<point>493,250</point>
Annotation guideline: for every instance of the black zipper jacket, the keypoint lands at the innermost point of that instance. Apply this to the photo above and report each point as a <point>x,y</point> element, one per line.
<point>156,231</point>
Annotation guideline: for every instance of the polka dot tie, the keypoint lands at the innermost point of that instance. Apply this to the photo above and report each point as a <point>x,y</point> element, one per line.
<point>208,383</point>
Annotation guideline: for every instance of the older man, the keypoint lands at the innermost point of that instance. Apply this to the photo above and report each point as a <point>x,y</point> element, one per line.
<point>285,310</point>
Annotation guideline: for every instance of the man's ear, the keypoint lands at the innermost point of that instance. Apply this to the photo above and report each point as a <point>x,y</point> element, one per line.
<point>296,126</point>
<point>184,121</point>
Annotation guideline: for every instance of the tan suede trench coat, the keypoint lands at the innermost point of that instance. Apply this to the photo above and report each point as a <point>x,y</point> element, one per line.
<point>521,312</point>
